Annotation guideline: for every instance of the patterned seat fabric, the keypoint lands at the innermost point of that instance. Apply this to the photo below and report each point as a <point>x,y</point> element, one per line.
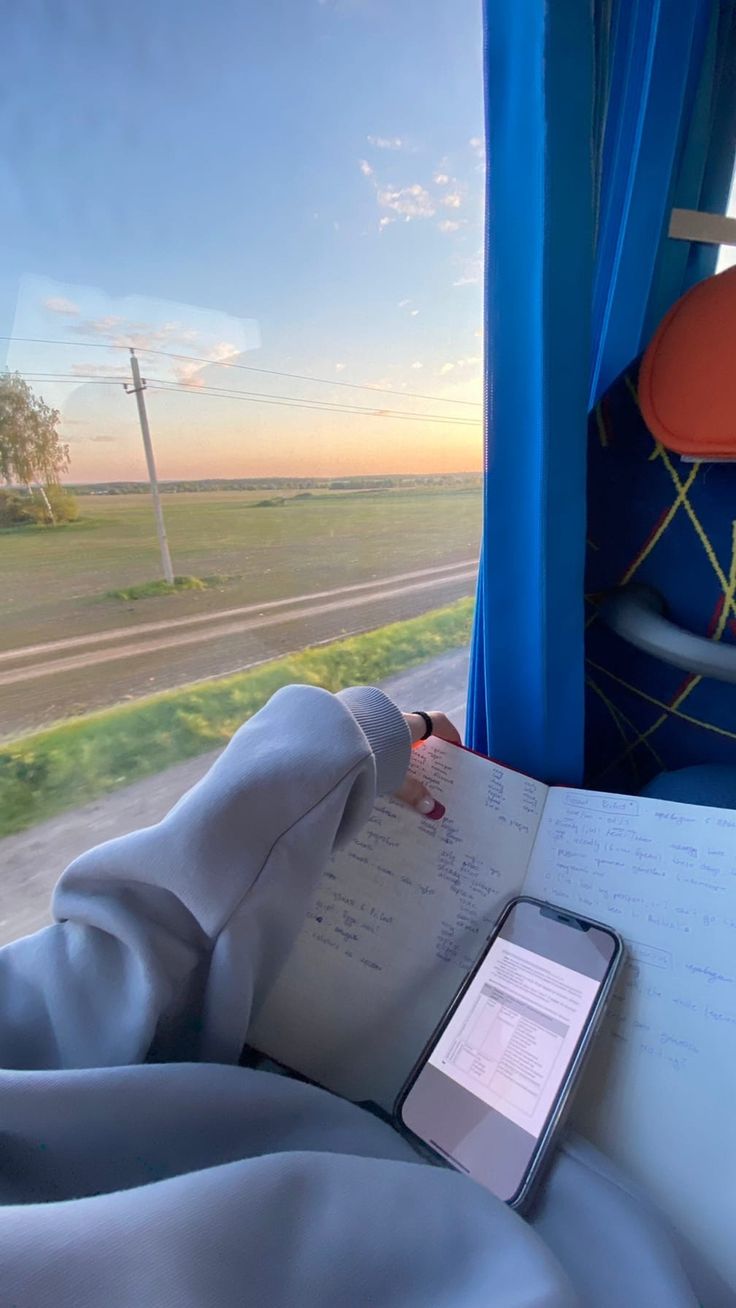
<point>655,519</point>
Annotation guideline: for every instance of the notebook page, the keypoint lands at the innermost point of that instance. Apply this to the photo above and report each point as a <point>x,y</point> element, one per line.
<point>398,919</point>
<point>660,1095</point>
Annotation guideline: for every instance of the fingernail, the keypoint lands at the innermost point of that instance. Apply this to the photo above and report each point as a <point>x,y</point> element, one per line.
<point>432,809</point>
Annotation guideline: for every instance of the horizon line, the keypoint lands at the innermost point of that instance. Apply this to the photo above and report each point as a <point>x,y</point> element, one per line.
<point>337,476</point>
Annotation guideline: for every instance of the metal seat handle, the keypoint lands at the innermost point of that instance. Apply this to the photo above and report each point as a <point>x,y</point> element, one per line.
<point>639,615</point>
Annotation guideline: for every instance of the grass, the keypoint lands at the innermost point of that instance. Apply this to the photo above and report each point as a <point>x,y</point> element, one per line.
<point>70,764</point>
<point>152,589</point>
<point>52,583</point>
<point>57,584</point>
<point>148,589</point>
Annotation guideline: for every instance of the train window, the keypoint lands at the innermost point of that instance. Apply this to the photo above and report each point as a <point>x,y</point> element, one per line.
<point>727,253</point>
<point>242,251</point>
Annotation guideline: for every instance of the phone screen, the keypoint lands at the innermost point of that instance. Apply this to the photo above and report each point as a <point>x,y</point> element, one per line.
<point>493,1077</point>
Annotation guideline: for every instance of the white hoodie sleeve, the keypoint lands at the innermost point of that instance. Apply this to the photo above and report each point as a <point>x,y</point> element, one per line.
<point>165,938</point>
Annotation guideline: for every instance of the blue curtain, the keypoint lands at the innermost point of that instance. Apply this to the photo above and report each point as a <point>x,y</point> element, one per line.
<point>598,119</point>
<point>526,694</point>
<point>702,179</point>
<point>656,50</point>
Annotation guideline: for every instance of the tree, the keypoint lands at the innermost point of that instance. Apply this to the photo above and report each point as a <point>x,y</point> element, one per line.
<point>31,449</point>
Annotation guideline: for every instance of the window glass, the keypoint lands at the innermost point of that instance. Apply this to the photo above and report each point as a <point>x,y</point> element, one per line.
<point>253,234</point>
<point>727,253</point>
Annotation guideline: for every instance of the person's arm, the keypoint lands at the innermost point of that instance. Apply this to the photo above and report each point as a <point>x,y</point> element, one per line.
<point>165,938</point>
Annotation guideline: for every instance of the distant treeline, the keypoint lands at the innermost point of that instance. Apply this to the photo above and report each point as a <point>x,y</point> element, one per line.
<point>274,483</point>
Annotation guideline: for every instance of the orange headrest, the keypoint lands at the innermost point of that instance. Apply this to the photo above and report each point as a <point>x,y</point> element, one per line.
<point>687,382</point>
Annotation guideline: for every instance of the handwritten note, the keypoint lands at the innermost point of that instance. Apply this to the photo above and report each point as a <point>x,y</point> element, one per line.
<point>401,914</point>
<point>660,1095</point>
<point>398,919</point>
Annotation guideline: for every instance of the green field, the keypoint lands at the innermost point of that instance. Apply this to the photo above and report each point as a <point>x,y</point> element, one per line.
<point>61,583</point>
<point>56,582</point>
<point>74,762</point>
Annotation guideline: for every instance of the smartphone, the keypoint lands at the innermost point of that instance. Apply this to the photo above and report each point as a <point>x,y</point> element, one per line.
<point>490,1089</point>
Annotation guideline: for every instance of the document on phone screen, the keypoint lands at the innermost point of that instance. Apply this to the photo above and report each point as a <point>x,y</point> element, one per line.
<point>515,1031</point>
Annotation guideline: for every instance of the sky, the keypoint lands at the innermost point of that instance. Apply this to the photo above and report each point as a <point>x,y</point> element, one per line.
<point>288,186</point>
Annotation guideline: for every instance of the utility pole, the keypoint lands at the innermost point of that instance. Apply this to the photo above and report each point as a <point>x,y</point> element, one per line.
<point>137,389</point>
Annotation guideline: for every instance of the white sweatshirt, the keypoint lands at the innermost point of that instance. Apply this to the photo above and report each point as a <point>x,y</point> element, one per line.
<point>140,1165</point>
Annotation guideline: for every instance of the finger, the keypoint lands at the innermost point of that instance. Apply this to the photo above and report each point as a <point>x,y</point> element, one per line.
<point>413,793</point>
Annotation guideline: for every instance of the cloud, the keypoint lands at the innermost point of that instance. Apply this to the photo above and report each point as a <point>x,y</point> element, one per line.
<point>417,364</point>
<point>221,351</point>
<point>145,336</point>
<point>178,342</point>
<point>471,361</point>
<point>409,201</point>
<point>97,326</point>
<point>449,225</point>
<point>59,304</point>
<point>387,142</point>
<point>340,367</point>
<point>413,313</point>
<point>452,200</point>
<point>87,440</point>
<point>472,272</point>
<point>188,373</point>
<point>100,370</point>
<point>441,179</point>
<point>171,335</point>
<point>477,146</point>
<point>403,304</point>
<point>184,370</point>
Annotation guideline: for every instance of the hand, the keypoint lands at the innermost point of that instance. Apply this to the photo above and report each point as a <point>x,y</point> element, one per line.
<point>412,792</point>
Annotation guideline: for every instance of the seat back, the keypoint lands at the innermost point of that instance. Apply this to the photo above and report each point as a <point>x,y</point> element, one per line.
<point>656,519</point>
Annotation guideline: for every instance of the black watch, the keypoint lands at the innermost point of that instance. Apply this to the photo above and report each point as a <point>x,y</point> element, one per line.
<point>428,723</point>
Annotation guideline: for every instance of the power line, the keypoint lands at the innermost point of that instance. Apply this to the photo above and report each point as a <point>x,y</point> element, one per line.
<point>165,386</point>
<point>77,381</point>
<point>244,367</point>
<point>326,381</point>
<point>162,383</point>
<point>311,406</point>
<point>72,377</point>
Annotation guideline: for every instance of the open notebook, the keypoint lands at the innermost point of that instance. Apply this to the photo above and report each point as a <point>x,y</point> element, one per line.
<point>402,913</point>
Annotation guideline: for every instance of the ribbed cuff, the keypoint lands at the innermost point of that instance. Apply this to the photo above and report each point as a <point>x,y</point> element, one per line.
<point>387,731</point>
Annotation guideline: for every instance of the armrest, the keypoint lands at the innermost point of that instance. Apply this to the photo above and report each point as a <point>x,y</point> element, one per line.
<point>639,615</point>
